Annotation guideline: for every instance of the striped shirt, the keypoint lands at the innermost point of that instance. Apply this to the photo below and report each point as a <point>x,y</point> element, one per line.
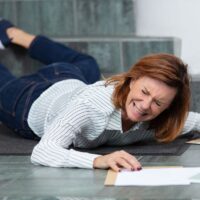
<point>71,112</point>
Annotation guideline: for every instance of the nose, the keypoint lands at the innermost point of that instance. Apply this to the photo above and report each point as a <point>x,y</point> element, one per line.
<point>146,104</point>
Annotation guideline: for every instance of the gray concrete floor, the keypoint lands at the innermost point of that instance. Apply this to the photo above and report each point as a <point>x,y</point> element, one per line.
<point>19,179</point>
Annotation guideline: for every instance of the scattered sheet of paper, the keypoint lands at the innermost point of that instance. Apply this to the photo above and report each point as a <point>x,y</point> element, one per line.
<point>157,177</point>
<point>195,141</point>
<point>195,178</point>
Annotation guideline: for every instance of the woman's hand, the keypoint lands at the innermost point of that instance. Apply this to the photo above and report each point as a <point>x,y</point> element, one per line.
<point>117,161</point>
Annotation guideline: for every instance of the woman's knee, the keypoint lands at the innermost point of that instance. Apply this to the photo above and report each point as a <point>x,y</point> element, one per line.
<point>90,69</point>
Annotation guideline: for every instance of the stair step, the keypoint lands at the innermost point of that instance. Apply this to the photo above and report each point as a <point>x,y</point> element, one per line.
<point>114,55</point>
<point>117,54</point>
<point>195,93</point>
<point>62,18</point>
<point>105,17</point>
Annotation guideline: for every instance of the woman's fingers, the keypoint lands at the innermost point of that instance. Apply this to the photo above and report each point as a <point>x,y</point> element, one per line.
<point>122,163</point>
<point>135,164</point>
<point>127,161</point>
<point>113,165</point>
<point>117,160</point>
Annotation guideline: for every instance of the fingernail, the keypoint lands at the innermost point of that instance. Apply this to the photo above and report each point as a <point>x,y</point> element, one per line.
<point>119,170</point>
<point>139,168</point>
<point>132,169</point>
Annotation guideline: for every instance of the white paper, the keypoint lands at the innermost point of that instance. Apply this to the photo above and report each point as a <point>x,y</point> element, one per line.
<point>195,178</point>
<point>157,176</point>
<point>195,141</point>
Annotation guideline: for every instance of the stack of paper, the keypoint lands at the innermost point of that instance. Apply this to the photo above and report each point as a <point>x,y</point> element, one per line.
<point>195,141</point>
<point>155,176</point>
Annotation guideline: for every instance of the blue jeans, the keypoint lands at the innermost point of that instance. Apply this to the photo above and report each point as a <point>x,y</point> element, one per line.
<point>18,94</point>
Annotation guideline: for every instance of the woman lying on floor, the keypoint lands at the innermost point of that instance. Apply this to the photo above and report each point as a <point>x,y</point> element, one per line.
<point>64,103</point>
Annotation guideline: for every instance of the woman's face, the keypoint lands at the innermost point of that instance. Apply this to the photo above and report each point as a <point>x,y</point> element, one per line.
<point>147,98</point>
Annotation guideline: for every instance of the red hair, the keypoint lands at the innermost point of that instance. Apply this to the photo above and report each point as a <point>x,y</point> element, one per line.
<point>172,71</point>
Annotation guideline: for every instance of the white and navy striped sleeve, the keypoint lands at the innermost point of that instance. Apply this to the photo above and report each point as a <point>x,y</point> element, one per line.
<point>192,122</point>
<point>59,135</point>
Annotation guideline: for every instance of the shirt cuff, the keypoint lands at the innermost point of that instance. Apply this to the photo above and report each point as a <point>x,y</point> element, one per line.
<point>81,159</point>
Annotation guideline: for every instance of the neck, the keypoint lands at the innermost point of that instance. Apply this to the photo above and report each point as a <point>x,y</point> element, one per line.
<point>126,123</point>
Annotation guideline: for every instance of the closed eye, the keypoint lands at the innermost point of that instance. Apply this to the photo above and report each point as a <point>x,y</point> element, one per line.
<point>145,92</point>
<point>158,103</point>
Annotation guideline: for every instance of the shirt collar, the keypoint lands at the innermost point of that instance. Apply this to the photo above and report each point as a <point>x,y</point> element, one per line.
<point>115,122</point>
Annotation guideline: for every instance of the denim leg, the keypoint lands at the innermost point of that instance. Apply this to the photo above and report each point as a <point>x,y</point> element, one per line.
<point>61,71</point>
<point>5,76</point>
<point>49,52</point>
<point>13,100</point>
<point>17,96</point>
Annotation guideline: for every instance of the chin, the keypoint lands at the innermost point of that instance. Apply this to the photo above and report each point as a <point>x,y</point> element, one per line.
<point>135,119</point>
<point>140,119</point>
